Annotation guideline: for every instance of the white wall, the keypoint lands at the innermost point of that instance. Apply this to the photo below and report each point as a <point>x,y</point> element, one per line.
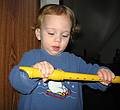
<point>44,2</point>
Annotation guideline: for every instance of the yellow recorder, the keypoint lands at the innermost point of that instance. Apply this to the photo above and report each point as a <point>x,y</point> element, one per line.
<point>61,75</point>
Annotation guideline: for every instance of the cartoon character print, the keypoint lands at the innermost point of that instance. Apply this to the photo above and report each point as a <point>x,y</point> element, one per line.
<point>57,89</point>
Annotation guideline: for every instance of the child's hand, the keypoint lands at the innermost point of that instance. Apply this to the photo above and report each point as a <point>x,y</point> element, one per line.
<point>45,67</point>
<point>106,76</point>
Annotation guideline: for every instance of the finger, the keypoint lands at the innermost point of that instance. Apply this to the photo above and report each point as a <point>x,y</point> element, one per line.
<point>100,74</point>
<point>44,79</point>
<point>46,69</point>
<point>43,70</point>
<point>51,69</point>
<point>103,74</point>
<point>111,75</point>
<point>38,66</point>
<point>107,75</point>
<point>105,83</point>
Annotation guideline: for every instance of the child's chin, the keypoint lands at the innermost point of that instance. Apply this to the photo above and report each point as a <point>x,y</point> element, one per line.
<point>56,53</point>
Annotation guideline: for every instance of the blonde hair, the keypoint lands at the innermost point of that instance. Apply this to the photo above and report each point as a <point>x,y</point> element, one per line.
<point>55,9</point>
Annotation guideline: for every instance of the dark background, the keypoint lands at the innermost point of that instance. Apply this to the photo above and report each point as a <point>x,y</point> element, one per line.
<point>98,42</point>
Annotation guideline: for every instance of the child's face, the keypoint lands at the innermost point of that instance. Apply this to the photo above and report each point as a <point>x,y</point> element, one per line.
<point>54,33</point>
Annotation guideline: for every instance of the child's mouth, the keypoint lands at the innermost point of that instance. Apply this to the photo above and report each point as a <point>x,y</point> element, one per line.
<point>56,48</point>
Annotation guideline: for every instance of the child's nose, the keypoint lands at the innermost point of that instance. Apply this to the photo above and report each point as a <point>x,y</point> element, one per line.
<point>58,38</point>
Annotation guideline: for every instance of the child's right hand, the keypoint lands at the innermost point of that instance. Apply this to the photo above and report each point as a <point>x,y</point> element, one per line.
<point>45,68</point>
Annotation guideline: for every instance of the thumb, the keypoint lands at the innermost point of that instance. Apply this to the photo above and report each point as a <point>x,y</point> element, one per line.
<point>45,79</point>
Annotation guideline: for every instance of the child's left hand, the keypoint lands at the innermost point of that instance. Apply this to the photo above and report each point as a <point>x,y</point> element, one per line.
<point>106,76</point>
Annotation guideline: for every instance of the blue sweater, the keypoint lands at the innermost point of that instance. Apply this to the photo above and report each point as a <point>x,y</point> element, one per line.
<point>52,95</point>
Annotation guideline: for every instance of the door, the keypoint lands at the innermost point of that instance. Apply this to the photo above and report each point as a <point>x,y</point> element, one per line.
<point>16,36</point>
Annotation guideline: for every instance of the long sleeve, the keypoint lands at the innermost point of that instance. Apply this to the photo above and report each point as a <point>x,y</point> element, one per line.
<point>19,79</point>
<point>86,68</point>
<point>91,69</point>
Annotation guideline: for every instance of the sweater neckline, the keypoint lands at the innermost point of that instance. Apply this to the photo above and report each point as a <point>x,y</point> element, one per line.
<point>46,53</point>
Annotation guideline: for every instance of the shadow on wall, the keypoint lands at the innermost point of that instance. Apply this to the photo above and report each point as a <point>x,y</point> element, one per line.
<point>99,24</point>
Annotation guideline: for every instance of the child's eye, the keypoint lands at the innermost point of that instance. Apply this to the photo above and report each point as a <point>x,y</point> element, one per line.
<point>50,33</point>
<point>65,35</point>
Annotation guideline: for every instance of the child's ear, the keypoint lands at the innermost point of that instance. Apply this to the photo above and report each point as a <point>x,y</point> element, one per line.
<point>37,33</point>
